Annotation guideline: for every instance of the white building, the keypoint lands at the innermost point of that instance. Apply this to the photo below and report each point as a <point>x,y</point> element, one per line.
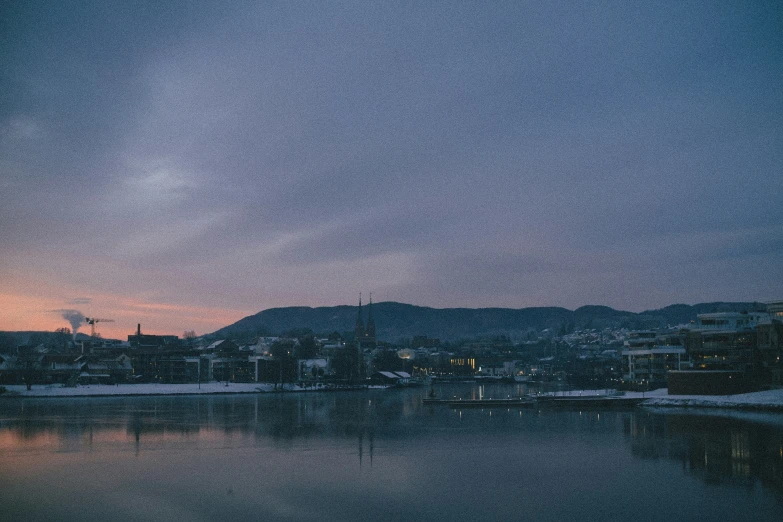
<point>649,355</point>
<point>730,320</point>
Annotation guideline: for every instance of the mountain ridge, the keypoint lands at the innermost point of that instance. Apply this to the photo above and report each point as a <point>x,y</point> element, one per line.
<point>395,321</point>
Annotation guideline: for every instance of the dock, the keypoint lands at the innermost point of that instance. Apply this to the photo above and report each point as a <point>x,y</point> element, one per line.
<point>599,402</point>
<point>587,402</point>
<point>518,402</point>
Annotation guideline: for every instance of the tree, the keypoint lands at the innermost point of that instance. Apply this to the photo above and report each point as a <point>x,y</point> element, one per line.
<point>307,348</point>
<point>345,364</point>
<point>282,348</point>
<point>62,339</point>
<point>28,364</point>
<point>282,351</point>
<point>387,360</point>
<point>7,343</point>
<point>37,339</point>
<point>189,336</point>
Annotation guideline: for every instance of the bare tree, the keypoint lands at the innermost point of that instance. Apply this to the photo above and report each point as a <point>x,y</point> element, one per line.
<point>63,339</point>
<point>28,364</point>
<point>189,336</point>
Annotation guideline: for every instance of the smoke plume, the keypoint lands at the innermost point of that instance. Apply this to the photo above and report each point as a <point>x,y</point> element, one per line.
<point>74,317</point>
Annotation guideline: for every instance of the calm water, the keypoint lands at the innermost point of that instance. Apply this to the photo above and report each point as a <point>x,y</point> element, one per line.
<point>380,455</point>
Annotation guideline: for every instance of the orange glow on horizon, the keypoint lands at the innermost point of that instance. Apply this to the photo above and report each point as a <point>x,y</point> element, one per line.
<point>34,313</point>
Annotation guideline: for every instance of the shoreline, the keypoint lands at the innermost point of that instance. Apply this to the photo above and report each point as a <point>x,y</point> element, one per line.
<point>755,401</point>
<point>767,401</point>
<point>19,391</point>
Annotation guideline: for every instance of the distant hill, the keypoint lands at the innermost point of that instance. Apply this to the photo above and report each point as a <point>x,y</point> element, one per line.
<point>395,321</point>
<point>10,340</point>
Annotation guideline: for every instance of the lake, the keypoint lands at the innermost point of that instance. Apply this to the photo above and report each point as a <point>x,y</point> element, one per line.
<point>381,455</point>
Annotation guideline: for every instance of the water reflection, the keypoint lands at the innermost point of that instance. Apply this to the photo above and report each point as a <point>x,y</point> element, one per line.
<point>349,456</point>
<point>718,449</point>
<point>75,425</point>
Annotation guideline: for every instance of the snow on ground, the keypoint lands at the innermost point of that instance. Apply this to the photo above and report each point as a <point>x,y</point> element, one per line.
<point>771,400</point>
<point>763,400</point>
<point>92,390</point>
<point>610,392</point>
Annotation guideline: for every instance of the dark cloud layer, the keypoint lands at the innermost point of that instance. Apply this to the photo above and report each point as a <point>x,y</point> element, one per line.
<point>460,154</point>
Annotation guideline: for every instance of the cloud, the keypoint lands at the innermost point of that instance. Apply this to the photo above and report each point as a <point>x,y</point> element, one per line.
<point>510,153</point>
<point>160,238</point>
<point>21,128</point>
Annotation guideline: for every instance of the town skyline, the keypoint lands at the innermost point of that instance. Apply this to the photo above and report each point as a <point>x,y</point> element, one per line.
<point>186,165</point>
<point>107,328</point>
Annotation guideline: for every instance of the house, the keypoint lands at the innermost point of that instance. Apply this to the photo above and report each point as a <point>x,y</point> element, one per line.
<point>60,368</point>
<point>311,369</point>
<point>222,346</point>
<point>104,370</point>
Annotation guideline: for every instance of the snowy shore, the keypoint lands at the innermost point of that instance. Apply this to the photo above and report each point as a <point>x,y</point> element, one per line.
<point>106,390</point>
<point>771,400</point>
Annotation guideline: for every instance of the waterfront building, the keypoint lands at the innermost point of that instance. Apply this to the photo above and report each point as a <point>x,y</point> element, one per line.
<point>725,341</point>
<point>770,344</point>
<point>397,378</point>
<point>648,356</point>
<point>747,344</point>
<point>775,310</point>
<point>731,320</point>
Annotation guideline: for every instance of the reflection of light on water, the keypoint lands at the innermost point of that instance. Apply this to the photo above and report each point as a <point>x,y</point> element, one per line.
<point>740,454</point>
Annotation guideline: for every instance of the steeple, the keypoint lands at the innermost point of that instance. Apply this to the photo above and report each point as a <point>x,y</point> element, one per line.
<point>370,333</point>
<point>359,328</point>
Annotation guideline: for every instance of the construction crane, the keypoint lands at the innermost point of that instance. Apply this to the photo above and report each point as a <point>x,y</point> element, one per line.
<point>92,320</point>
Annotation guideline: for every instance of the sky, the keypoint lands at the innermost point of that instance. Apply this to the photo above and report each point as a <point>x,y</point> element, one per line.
<point>184,164</point>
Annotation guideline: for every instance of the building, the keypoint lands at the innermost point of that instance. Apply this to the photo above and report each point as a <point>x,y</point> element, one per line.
<point>391,378</point>
<point>648,357</point>
<point>730,320</point>
<point>775,310</point>
<point>151,341</point>
<point>770,345</point>
<point>365,335</point>
<point>725,341</point>
<point>747,345</point>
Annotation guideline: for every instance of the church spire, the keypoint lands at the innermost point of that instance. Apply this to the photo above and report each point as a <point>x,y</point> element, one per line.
<point>359,329</point>
<point>370,333</point>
